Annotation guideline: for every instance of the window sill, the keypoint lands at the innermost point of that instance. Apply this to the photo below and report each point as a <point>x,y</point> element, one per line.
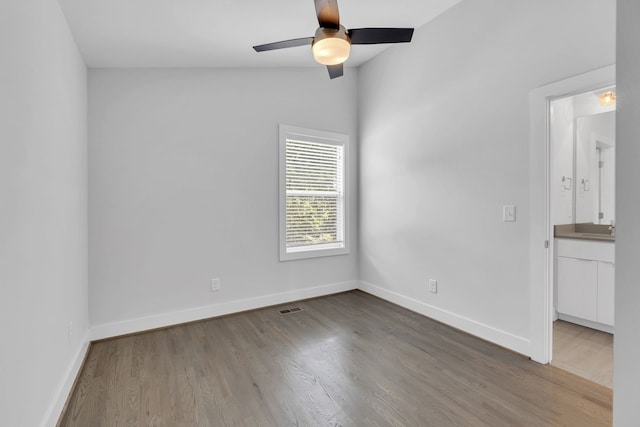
<point>313,252</point>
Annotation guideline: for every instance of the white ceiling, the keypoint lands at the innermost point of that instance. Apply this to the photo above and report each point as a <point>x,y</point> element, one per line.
<point>220,33</point>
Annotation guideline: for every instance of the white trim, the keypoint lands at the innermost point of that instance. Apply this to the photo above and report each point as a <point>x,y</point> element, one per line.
<point>486,332</point>
<point>56,406</point>
<point>109,330</point>
<point>541,258</point>
<point>319,247</point>
<point>588,323</point>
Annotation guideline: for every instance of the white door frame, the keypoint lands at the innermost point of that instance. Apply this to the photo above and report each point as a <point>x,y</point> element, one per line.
<point>540,229</point>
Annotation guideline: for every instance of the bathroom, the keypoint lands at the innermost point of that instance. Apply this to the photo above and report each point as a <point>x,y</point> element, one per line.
<point>582,213</point>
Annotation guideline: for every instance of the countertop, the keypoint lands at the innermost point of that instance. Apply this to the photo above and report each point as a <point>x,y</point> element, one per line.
<point>585,231</point>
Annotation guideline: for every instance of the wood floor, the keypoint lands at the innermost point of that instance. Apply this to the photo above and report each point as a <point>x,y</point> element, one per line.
<point>583,351</point>
<point>345,360</point>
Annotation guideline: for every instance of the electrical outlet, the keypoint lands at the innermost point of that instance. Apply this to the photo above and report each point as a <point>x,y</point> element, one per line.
<point>215,284</point>
<point>433,286</point>
<point>70,331</point>
<point>509,213</point>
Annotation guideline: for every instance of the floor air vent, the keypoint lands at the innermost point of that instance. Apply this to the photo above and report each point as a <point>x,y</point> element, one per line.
<point>290,310</point>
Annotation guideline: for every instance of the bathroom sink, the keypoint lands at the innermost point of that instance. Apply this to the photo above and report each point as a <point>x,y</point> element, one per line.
<point>584,231</point>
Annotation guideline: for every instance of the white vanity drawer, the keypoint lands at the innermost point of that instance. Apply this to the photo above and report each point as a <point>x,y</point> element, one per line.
<point>586,249</point>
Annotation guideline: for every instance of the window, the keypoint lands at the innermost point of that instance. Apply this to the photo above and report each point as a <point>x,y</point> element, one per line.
<point>312,193</point>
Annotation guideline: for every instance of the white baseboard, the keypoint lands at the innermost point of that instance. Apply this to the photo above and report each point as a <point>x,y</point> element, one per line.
<point>109,330</point>
<point>587,323</point>
<point>73,370</point>
<point>496,336</point>
<point>124,327</point>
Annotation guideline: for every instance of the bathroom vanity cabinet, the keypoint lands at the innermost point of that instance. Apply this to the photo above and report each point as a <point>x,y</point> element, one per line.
<point>586,282</point>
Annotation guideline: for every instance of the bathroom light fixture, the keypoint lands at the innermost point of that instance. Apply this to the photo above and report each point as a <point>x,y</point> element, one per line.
<point>331,46</point>
<point>607,99</point>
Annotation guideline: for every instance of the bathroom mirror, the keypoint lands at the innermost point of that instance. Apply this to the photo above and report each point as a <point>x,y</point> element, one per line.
<point>595,168</point>
<point>582,131</point>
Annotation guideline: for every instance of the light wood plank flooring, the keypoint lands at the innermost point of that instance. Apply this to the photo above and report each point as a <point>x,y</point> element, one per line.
<point>583,351</point>
<point>347,360</point>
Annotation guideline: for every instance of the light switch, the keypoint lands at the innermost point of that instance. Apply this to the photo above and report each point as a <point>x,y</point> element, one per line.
<point>509,213</point>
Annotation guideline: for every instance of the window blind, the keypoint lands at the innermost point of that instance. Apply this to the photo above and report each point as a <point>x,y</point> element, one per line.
<point>314,194</point>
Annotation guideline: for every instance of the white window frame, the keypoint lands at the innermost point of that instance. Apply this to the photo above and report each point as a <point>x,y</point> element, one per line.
<point>312,251</point>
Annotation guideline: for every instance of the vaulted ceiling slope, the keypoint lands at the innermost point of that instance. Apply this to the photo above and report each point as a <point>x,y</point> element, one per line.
<point>220,33</point>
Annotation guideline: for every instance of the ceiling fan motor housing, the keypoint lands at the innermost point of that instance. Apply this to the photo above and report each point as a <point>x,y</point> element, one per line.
<point>331,46</point>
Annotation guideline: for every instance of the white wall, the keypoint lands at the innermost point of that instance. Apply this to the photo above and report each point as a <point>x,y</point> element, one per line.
<point>444,131</point>
<point>43,211</point>
<point>561,130</point>
<point>184,187</point>
<point>626,380</point>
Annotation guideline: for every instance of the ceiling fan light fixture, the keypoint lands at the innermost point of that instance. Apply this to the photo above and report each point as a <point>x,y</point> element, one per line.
<point>331,46</point>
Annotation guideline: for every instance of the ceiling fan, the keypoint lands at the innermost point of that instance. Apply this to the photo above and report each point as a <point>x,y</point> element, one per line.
<point>332,42</point>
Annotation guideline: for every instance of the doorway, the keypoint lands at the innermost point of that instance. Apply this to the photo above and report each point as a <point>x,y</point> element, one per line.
<point>582,221</point>
<point>542,245</point>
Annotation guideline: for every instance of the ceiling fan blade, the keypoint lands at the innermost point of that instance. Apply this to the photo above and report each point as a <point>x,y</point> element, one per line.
<point>328,15</point>
<point>380,35</point>
<point>335,70</point>
<point>284,44</point>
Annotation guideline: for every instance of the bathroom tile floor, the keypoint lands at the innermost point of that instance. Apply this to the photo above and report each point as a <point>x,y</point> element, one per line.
<point>583,351</point>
